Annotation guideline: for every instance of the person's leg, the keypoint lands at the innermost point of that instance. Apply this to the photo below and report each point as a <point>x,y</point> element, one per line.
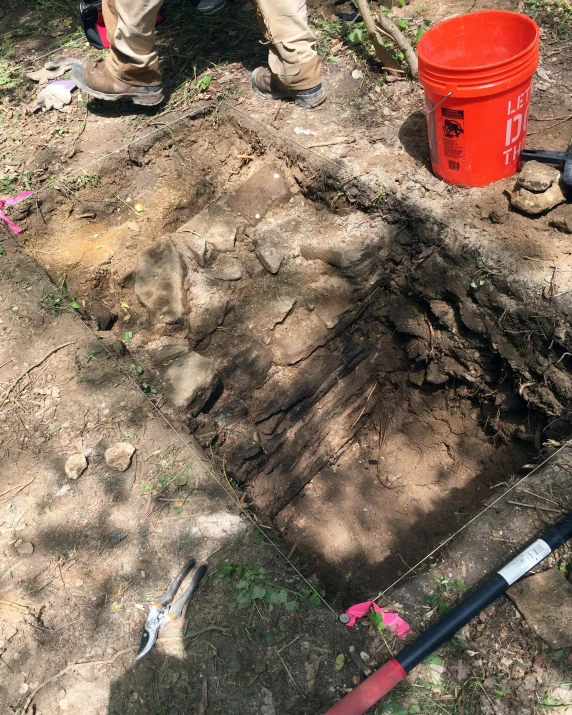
<point>295,67</point>
<point>131,31</point>
<point>131,69</point>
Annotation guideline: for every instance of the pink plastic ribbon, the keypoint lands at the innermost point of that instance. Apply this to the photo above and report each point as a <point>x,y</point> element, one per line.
<point>400,627</point>
<point>8,202</point>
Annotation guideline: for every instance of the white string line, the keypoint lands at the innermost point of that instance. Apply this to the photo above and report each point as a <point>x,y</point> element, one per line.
<point>68,44</point>
<point>477,516</point>
<point>399,200</point>
<point>206,465</point>
<point>207,108</point>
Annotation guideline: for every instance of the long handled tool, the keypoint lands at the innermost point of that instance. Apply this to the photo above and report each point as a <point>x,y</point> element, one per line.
<point>561,159</point>
<point>389,675</point>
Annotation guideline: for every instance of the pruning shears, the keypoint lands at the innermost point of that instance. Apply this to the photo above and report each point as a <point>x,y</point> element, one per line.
<point>164,609</point>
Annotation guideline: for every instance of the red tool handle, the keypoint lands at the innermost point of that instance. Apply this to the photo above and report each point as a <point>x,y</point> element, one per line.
<point>370,691</point>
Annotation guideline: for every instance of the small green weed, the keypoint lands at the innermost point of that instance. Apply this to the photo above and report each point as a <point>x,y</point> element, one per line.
<point>80,181</point>
<point>53,302</point>
<point>253,585</point>
<point>555,16</point>
<point>447,591</point>
<point>138,374</point>
<point>8,185</point>
<point>2,249</point>
<point>67,295</point>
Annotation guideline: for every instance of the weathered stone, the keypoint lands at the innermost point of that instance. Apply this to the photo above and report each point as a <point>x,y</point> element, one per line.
<point>434,375</point>
<point>298,336</point>
<point>270,258</point>
<point>409,318</point>
<point>537,177</point>
<point>227,269</point>
<point>340,258</point>
<point>191,380</point>
<point>207,315</point>
<point>159,282</point>
<point>280,309</point>
<point>254,359</point>
<point>535,204</point>
<point>264,188</point>
<point>213,229</point>
<point>444,313</point>
<point>564,225</point>
<point>330,310</point>
<point>118,456</point>
<point>165,355</point>
<point>545,600</point>
<point>25,549</point>
<point>417,377</point>
<point>76,466</point>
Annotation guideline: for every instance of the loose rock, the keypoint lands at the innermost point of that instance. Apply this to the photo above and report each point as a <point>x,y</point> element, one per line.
<point>191,380</point>
<point>537,177</point>
<point>340,258</point>
<point>25,549</point>
<point>76,466</point>
<point>270,258</point>
<point>159,282</point>
<point>545,600</point>
<point>535,204</point>
<point>118,456</point>
<point>227,270</point>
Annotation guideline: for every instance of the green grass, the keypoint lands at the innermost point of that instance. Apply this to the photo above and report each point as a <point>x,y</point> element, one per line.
<point>554,16</point>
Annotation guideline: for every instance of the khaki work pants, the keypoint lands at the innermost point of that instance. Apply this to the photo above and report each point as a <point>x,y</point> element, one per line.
<point>133,58</point>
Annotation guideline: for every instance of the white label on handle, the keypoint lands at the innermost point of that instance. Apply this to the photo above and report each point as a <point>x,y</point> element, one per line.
<point>522,563</point>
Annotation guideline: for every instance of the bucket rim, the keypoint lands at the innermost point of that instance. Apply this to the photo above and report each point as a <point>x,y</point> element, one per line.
<point>447,68</point>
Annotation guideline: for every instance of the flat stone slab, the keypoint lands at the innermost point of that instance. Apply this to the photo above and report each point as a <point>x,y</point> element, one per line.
<point>545,600</point>
<point>212,229</point>
<point>191,379</point>
<point>159,282</point>
<point>264,188</point>
<point>298,336</point>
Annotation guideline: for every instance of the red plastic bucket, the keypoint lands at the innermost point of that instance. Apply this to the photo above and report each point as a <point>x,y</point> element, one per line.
<point>476,70</point>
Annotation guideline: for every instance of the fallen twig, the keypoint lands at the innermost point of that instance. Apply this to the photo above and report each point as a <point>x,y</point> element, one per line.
<point>381,51</point>
<point>18,489</point>
<point>68,669</point>
<point>291,676</point>
<point>331,142</point>
<point>400,40</point>
<point>534,506</point>
<point>545,129</point>
<point>37,364</point>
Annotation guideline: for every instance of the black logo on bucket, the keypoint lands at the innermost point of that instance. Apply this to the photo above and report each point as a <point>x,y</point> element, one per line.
<point>453,133</point>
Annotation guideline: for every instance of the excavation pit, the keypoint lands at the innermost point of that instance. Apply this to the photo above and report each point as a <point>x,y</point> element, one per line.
<point>364,374</point>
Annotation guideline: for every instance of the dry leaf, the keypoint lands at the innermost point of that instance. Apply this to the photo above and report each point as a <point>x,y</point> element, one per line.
<point>463,671</point>
<point>311,667</point>
<point>340,661</point>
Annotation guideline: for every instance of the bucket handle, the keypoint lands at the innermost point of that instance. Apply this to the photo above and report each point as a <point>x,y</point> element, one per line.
<point>441,102</point>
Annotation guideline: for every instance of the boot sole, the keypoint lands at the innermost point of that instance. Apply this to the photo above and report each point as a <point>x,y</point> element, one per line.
<point>146,100</point>
<point>299,101</point>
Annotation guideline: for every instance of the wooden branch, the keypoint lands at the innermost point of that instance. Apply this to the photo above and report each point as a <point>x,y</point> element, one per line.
<point>381,52</point>
<point>390,28</point>
<point>35,365</point>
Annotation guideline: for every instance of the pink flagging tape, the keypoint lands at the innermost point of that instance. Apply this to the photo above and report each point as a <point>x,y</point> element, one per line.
<point>8,202</point>
<point>394,622</point>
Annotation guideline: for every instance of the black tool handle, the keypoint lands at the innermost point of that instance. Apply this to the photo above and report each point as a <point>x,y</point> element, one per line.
<point>444,629</point>
<point>546,157</point>
<point>169,594</point>
<point>179,605</point>
<point>567,173</point>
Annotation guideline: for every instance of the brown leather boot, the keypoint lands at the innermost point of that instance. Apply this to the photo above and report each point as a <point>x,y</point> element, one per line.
<point>97,81</point>
<point>268,85</point>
